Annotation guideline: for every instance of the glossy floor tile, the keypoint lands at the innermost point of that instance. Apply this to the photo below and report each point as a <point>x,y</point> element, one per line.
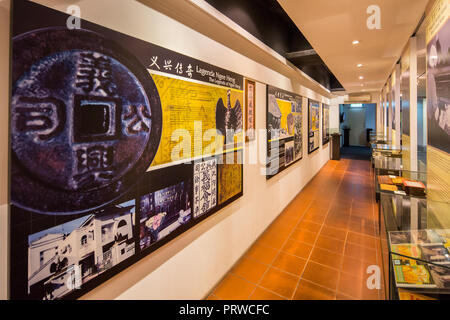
<point>321,246</point>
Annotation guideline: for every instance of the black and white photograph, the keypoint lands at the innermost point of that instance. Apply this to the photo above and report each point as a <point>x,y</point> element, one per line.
<point>441,275</point>
<point>435,253</point>
<point>61,259</point>
<point>289,152</point>
<point>298,136</point>
<point>164,211</point>
<point>400,237</point>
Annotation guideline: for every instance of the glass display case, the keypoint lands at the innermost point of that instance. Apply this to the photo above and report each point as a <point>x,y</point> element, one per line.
<point>387,150</point>
<point>393,180</point>
<point>415,246</point>
<point>387,165</point>
<point>384,147</point>
<point>375,138</point>
<point>419,263</point>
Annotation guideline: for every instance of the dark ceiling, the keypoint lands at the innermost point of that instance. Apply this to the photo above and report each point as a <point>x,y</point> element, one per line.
<point>267,21</point>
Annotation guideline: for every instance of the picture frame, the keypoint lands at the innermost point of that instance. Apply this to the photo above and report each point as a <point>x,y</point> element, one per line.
<point>313,125</point>
<point>284,125</point>
<point>325,124</point>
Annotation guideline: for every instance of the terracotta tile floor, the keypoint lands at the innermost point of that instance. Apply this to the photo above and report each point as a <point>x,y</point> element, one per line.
<point>319,247</point>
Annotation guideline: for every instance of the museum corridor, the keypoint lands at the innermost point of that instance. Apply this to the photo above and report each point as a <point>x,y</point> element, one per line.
<point>195,150</point>
<point>319,247</point>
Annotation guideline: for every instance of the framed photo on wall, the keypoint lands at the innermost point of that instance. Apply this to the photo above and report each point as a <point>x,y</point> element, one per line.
<point>250,110</point>
<point>325,124</point>
<point>438,119</point>
<point>313,125</point>
<point>284,130</point>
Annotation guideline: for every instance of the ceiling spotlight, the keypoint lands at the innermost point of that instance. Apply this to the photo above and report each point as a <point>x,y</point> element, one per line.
<point>359,65</point>
<point>355,42</point>
<point>362,84</point>
<point>361,77</point>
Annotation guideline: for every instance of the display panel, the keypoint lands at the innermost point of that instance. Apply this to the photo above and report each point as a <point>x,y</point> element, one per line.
<point>313,125</point>
<point>387,111</point>
<point>404,100</point>
<point>405,109</point>
<point>438,90</point>
<point>393,93</point>
<point>118,146</point>
<point>284,130</point>
<point>325,124</point>
<point>438,101</point>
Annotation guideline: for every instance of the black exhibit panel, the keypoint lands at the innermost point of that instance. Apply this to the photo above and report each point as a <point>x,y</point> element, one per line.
<point>438,89</point>
<point>325,124</point>
<point>108,160</point>
<point>404,99</point>
<point>313,125</point>
<point>284,130</point>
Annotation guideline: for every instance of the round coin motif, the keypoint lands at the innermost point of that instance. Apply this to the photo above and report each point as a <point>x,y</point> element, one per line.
<point>85,121</point>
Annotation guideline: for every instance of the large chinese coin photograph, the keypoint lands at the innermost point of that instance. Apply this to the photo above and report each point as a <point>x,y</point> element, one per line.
<point>85,121</point>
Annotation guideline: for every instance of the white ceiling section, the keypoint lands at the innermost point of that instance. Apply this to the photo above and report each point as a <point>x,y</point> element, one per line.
<point>330,26</point>
<point>205,19</point>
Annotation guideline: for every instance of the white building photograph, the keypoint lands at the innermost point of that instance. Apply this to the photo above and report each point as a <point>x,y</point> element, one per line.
<point>64,257</point>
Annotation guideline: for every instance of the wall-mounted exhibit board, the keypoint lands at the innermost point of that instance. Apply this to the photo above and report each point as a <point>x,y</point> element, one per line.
<point>438,101</point>
<point>387,112</point>
<point>405,107</point>
<point>103,130</point>
<point>284,130</point>
<point>313,125</point>
<point>404,92</point>
<point>393,106</point>
<point>325,123</point>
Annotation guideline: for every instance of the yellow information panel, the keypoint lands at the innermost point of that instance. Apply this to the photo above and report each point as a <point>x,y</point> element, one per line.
<point>189,112</point>
<point>230,176</point>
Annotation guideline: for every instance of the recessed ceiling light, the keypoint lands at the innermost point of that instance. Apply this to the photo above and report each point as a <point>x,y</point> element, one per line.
<point>355,42</point>
<point>362,84</point>
<point>361,77</point>
<point>359,65</point>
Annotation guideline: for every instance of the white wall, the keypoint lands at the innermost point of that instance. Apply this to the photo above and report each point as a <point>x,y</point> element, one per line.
<point>190,266</point>
<point>355,119</point>
<point>371,116</point>
<point>334,111</point>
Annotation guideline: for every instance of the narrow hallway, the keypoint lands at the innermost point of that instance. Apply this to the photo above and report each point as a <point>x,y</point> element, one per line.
<point>319,247</point>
